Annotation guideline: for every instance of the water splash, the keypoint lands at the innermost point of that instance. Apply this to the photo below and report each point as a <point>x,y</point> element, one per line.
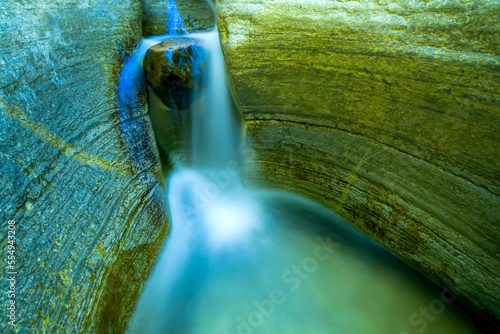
<point>283,265</point>
<point>245,261</point>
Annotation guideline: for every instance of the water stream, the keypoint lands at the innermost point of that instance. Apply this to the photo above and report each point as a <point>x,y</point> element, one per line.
<point>244,261</point>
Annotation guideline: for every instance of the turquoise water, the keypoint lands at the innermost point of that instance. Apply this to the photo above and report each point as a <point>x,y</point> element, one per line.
<point>243,261</point>
<point>247,261</point>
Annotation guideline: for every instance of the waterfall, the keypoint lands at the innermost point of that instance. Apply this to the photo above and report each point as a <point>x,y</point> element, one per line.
<point>242,261</point>
<point>175,24</point>
<point>215,128</point>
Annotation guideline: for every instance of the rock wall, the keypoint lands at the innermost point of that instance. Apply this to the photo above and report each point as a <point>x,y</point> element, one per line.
<point>87,201</point>
<point>387,112</point>
<point>196,15</point>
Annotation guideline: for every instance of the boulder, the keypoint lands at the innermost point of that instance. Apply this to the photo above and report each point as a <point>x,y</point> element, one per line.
<point>387,112</point>
<point>174,70</point>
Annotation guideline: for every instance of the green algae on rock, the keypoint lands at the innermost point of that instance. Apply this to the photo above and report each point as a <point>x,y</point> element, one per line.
<point>385,111</point>
<point>85,213</point>
<point>196,15</point>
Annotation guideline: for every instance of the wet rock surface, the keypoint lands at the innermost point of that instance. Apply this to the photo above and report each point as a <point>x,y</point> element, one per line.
<point>90,216</point>
<point>196,15</point>
<point>174,70</point>
<point>386,112</point>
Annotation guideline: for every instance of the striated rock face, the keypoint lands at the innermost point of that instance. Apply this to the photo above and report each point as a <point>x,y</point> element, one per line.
<point>387,112</point>
<point>87,201</point>
<point>196,15</point>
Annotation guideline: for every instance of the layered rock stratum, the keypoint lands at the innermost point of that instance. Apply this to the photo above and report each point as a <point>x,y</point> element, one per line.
<point>80,176</point>
<point>196,15</point>
<point>385,111</point>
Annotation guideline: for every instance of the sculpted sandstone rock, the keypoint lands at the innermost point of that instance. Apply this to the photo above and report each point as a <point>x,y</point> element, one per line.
<point>88,200</point>
<point>196,15</point>
<point>388,113</point>
<point>385,111</point>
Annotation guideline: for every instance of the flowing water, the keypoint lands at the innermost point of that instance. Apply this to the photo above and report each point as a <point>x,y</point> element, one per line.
<point>250,261</point>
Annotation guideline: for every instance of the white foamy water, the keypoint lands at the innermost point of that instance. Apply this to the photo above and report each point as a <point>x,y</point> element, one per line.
<point>216,132</point>
<point>242,261</point>
<point>246,261</point>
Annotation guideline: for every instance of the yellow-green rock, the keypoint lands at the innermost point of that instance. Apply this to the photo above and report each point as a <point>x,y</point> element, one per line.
<point>387,112</point>
<point>196,15</point>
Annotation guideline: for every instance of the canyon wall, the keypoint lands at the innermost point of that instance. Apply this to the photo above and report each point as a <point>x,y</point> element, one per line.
<point>196,15</point>
<point>80,176</point>
<point>387,112</point>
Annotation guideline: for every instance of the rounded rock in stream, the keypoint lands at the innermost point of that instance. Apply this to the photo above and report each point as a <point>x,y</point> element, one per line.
<point>174,70</point>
